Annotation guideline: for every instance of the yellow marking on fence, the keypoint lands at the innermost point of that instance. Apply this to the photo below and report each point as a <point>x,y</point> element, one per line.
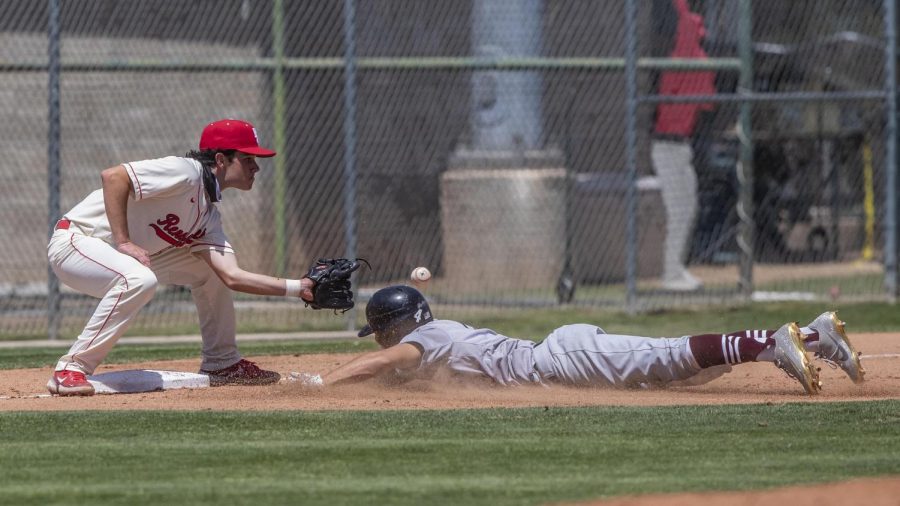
<point>868,203</point>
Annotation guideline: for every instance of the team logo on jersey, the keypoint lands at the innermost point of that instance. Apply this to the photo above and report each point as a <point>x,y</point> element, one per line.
<point>168,230</point>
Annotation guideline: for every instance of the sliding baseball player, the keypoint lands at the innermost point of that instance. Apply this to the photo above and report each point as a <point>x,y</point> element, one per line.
<point>414,343</point>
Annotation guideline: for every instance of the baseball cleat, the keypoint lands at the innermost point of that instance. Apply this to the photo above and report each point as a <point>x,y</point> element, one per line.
<point>65,383</point>
<point>834,346</point>
<point>244,372</point>
<point>791,358</point>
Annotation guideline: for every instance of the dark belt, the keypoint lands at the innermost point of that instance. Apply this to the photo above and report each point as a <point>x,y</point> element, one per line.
<point>63,224</point>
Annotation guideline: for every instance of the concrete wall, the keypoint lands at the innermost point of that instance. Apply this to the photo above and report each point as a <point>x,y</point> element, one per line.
<point>110,118</point>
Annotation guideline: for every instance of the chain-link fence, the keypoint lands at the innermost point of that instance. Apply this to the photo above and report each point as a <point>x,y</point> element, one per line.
<point>621,153</point>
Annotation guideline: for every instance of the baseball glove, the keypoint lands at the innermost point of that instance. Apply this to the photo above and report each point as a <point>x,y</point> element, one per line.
<point>332,288</point>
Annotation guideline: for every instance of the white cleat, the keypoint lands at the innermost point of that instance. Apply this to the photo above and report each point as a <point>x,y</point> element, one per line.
<point>791,358</point>
<point>835,347</point>
<point>684,281</point>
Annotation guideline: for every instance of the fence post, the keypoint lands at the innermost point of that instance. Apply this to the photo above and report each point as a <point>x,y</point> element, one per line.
<point>630,156</point>
<point>746,234</point>
<point>890,166</point>
<point>350,138</point>
<point>278,127</point>
<point>53,169</point>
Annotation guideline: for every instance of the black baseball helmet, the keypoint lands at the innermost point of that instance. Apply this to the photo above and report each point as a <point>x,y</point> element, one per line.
<point>394,312</point>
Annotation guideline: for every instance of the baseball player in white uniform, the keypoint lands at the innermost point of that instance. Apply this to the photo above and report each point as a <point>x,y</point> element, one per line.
<point>414,342</point>
<point>153,222</point>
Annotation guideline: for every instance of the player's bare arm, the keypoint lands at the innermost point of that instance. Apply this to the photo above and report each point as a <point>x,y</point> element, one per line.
<point>226,267</point>
<point>117,189</point>
<point>370,365</point>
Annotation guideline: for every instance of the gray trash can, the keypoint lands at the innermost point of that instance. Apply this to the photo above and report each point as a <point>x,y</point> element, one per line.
<point>598,227</point>
<point>503,228</point>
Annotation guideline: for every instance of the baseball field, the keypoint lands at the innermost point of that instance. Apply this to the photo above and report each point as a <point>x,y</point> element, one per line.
<point>749,437</point>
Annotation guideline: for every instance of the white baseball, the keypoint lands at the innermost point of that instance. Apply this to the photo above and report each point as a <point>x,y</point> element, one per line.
<point>420,274</point>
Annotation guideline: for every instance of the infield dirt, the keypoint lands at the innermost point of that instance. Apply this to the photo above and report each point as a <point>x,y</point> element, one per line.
<point>747,383</point>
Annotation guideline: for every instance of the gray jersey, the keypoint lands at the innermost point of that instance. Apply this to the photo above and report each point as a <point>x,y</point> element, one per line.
<point>474,352</point>
<point>573,354</point>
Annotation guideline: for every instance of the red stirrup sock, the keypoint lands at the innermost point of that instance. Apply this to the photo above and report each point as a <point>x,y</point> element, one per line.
<point>732,348</point>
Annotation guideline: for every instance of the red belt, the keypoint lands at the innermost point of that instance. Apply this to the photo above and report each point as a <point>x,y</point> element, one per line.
<point>63,224</point>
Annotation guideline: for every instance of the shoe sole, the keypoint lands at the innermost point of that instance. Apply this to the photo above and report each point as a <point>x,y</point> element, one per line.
<point>792,359</point>
<point>215,381</point>
<point>841,341</point>
<point>56,389</point>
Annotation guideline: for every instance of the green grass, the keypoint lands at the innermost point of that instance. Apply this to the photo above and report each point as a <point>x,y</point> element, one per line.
<point>852,283</point>
<point>490,457</point>
<point>537,323</point>
<point>529,324</point>
<point>859,285</point>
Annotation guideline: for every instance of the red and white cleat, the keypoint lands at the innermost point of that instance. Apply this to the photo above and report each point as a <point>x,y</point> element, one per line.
<point>69,383</point>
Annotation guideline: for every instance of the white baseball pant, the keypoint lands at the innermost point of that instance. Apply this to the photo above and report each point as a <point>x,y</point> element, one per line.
<point>582,354</point>
<point>673,163</point>
<point>124,286</point>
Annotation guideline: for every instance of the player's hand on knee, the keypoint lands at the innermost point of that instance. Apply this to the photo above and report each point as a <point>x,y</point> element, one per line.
<point>133,250</point>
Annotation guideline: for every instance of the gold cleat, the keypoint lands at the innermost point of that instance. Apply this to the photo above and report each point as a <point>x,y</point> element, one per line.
<point>835,347</point>
<point>791,358</point>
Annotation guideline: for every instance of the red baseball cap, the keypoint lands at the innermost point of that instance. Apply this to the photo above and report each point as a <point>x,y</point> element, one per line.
<point>233,134</point>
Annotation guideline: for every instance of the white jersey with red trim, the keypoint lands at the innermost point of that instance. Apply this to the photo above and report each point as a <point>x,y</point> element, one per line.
<point>169,209</point>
